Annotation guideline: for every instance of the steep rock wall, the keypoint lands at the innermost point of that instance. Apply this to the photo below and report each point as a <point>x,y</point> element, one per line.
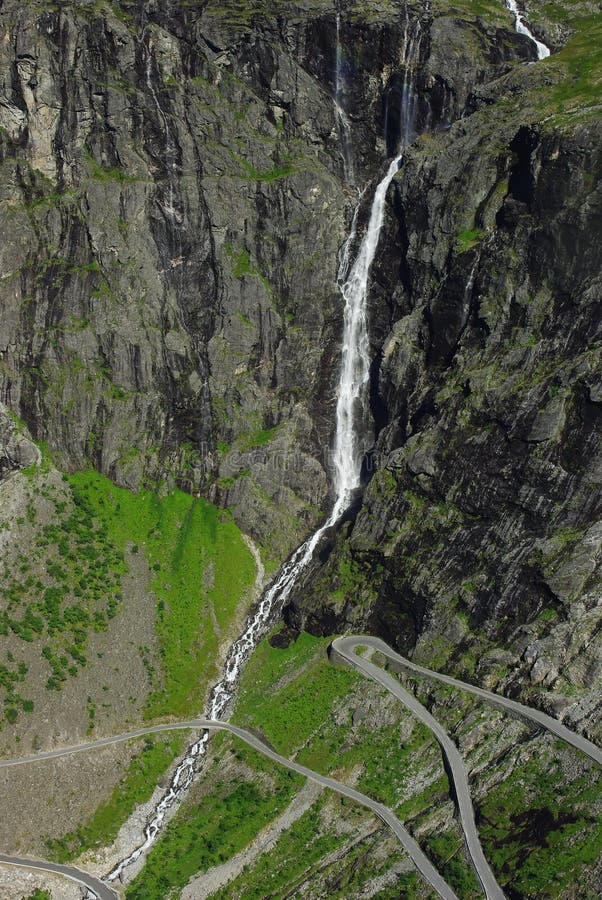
<point>173,211</point>
<point>480,527</point>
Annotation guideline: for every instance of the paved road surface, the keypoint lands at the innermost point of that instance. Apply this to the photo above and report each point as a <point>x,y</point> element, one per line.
<point>519,710</point>
<point>344,648</point>
<point>102,891</point>
<point>420,860</point>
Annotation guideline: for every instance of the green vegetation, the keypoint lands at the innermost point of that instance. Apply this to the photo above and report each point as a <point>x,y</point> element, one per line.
<point>297,698</point>
<point>39,894</point>
<point>258,438</point>
<point>579,93</point>
<point>275,174</point>
<point>106,173</point>
<point>202,567</point>
<point>488,10</point>
<point>224,822</point>
<point>445,850</point>
<point>468,238</point>
<point>243,14</point>
<point>242,266</point>
<point>294,697</point>
<point>541,827</point>
<point>241,262</point>
<point>134,788</point>
<point>298,851</point>
<point>67,586</point>
<point>70,584</point>
<point>288,715</point>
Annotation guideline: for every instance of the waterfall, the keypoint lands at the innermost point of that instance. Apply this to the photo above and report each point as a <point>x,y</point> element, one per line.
<point>519,23</point>
<point>348,455</point>
<point>401,98</point>
<point>352,398</point>
<point>349,450</point>
<point>409,96</point>
<point>343,123</point>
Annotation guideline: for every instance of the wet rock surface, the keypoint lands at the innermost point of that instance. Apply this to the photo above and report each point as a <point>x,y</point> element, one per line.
<point>175,208</point>
<point>173,211</point>
<point>173,203</point>
<point>480,526</point>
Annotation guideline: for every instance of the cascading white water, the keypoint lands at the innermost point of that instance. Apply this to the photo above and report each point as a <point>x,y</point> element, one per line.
<point>408,100</point>
<point>355,363</point>
<point>409,97</point>
<point>519,23</point>
<point>348,456</point>
<point>349,451</point>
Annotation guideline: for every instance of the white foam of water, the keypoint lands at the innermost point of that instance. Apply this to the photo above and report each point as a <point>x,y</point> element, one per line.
<point>543,51</point>
<point>349,449</point>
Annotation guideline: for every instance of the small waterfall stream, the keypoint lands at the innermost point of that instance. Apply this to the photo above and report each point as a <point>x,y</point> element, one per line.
<point>349,450</point>
<point>543,51</point>
<point>343,123</point>
<point>348,456</point>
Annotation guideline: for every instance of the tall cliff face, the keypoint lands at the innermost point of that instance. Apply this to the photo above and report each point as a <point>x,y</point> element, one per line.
<point>175,195</point>
<point>177,184</point>
<point>153,178</point>
<point>480,528</point>
<point>173,210</point>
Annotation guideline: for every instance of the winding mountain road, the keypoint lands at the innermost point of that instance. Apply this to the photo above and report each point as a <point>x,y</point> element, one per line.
<point>344,650</point>
<point>421,861</point>
<point>344,647</point>
<point>98,887</point>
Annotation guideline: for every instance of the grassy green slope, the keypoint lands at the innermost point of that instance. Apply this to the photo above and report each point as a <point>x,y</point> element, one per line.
<point>203,569</point>
<point>538,803</point>
<point>224,821</point>
<point>135,787</point>
<point>325,716</point>
<point>82,530</point>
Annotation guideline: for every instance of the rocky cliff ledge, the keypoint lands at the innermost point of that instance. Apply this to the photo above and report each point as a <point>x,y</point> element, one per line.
<point>172,211</point>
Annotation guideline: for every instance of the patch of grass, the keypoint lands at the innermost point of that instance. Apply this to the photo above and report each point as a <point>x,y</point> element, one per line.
<point>296,852</point>
<point>490,11</point>
<point>275,174</point>
<point>350,577</point>
<point>203,568</point>
<point>231,480</point>
<point>446,851</point>
<point>258,438</point>
<point>582,57</point>
<point>242,263</point>
<point>242,266</point>
<point>106,173</point>
<point>289,693</point>
<point>468,238</point>
<point>224,822</point>
<point>293,697</point>
<point>135,788</point>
